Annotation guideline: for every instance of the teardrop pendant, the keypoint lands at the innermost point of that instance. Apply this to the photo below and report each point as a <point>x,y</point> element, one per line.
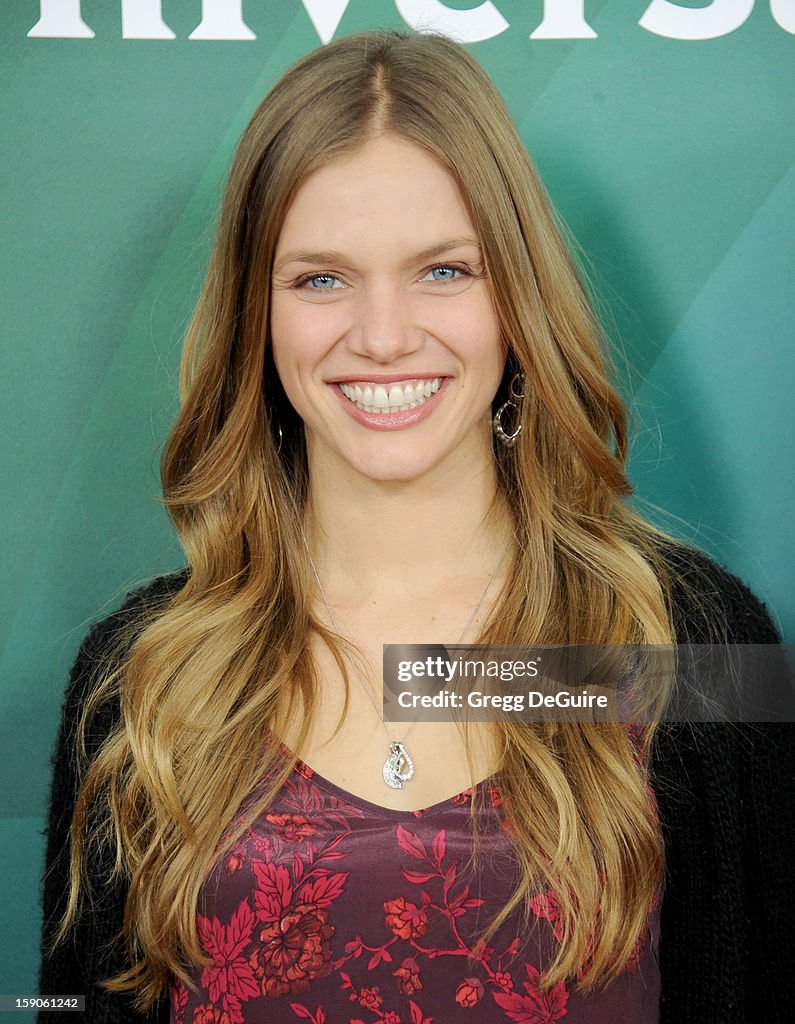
<point>398,767</point>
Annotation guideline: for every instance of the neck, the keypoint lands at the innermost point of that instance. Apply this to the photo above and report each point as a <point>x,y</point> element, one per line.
<point>370,536</point>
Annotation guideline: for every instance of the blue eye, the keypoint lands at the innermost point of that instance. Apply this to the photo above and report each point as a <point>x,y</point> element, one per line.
<point>446,272</point>
<point>319,282</point>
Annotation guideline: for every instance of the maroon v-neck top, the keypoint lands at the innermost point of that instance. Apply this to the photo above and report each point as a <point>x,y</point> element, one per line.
<point>335,910</point>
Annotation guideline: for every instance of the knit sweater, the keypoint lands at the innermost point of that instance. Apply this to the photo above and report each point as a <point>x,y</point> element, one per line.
<point>724,795</point>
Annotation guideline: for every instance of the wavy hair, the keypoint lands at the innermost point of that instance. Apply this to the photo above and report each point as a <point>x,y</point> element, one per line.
<point>229,651</point>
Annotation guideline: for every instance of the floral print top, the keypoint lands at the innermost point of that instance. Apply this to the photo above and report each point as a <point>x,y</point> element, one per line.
<point>334,910</point>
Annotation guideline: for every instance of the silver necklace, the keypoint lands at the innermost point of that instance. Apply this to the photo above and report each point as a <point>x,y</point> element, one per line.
<point>398,767</point>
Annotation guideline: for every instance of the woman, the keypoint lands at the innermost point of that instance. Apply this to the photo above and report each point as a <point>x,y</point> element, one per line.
<point>397,426</point>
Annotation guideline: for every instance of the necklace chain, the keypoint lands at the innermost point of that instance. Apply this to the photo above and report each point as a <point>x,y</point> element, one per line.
<point>398,767</point>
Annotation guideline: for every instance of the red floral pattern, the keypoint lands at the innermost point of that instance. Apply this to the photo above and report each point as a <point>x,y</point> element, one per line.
<point>293,951</point>
<point>408,975</point>
<point>405,919</point>
<point>333,910</point>
<point>469,992</point>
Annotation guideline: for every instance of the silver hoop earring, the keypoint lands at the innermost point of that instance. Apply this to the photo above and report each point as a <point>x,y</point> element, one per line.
<point>516,391</point>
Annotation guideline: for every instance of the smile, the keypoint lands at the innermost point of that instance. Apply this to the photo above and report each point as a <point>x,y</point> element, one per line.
<point>384,399</point>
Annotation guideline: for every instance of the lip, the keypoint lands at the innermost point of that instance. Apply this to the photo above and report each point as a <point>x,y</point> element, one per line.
<point>384,378</point>
<point>395,420</point>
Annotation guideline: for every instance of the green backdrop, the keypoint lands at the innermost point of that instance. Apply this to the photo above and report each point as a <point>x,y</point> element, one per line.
<point>665,135</point>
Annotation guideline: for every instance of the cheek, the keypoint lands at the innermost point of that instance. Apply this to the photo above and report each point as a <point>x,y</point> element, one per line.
<point>290,336</point>
<point>301,334</point>
<point>286,338</point>
<point>482,349</point>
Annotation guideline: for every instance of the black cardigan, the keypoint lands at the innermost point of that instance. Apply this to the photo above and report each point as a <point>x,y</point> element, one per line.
<point>725,798</point>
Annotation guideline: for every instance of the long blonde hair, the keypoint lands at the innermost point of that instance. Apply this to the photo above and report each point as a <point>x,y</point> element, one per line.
<point>230,648</point>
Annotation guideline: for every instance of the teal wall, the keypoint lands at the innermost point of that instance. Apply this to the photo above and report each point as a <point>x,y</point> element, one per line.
<point>672,160</point>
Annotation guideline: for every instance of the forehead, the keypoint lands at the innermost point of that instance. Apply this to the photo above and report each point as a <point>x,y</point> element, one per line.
<point>389,192</point>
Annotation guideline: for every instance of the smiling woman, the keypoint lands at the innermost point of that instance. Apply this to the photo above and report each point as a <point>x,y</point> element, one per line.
<point>420,343</point>
<point>397,426</point>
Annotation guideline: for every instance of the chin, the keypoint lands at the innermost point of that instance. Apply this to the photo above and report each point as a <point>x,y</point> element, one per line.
<point>394,468</point>
<point>393,474</point>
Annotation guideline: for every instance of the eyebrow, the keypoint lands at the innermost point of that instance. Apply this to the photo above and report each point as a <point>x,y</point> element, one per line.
<point>339,258</point>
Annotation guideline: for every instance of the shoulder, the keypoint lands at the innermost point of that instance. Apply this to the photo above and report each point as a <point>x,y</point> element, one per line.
<point>109,639</point>
<point>711,605</point>
<point>118,629</point>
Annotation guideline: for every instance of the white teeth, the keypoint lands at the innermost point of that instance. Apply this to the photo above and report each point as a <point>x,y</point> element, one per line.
<point>399,397</point>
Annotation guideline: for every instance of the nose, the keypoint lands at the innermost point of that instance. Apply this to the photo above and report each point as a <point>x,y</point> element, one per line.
<point>383,331</point>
